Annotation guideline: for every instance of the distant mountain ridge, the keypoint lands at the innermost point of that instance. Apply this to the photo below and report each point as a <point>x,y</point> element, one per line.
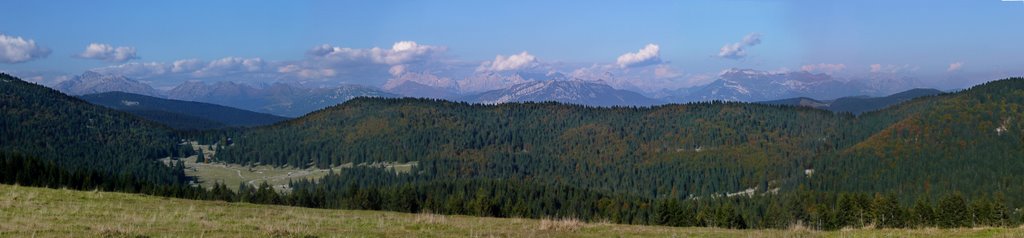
<point>565,91</point>
<point>91,82</point>
<point>747,85</point>
<point>856,104</point>
<point>278,98</point>
<point>181,114</point>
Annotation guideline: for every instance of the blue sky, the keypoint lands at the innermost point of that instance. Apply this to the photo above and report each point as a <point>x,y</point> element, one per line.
<point>923,39</point>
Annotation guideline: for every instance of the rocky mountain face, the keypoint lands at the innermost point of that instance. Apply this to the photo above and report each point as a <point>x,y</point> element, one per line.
<point>500,87</point>
<point>752,85</point>
<point>565,91</point>
<point>91,82</point>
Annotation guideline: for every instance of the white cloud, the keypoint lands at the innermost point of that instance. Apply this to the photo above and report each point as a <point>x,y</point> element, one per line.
<point>404,52</point>
<point>191,67</point>
<point>489,81</point>
<point>400,53</point>
<point>823,68</point>
<point>307,73</point>
<point>136,69</point>
<point>738,50</point>
<point>366,65</point>
<point>891,68</point>
<point>17,50</point>
<point>732,51</point>
<point>752,39</point>
<point>512,62</point>
<point>955,66</point>
<point>186,65</point>
<point>108,53</point>
<point>648,79</point>
<point>397,70</point>
<point>875,68</point>
<point>665,71</point>
<point>649,55</point>
<point>230,65</point>
<point>594,72</point>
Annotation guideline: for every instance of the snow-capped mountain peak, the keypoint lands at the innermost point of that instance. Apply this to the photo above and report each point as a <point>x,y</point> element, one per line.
<point>91,82</point>
<point>566,91</point>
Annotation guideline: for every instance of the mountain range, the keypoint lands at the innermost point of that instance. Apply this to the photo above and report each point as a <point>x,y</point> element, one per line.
<point>747,85</point>
<point>857,104</point>
<point>564,91</point>
<point>179,114</point>
<point>287,100</point>
<point>92,82</point>
<point>278,98</point>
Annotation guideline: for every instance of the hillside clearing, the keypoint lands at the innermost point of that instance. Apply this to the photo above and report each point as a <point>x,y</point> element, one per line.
<point>234,174</point>
<point>44,212</point>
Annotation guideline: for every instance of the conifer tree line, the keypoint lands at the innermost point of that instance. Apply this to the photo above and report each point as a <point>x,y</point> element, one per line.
<point>496,198</point>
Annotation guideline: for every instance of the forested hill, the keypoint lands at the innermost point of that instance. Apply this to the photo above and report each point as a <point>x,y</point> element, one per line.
<point>971,141</point>
<point>79,136</point>
<point>674,150</point>
<point>694,148</point>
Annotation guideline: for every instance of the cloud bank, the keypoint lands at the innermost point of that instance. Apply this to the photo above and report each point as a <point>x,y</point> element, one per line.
<point>955,66</point>
<point>738,50</point>
<point>188,67</point>
<point>407,61</point>
<point>649,55</point>
<point>14,49</point>
<point>891,68</point>
<point>823,68</point>
<point>401,52</point>
<point>512,62</point>
<point>108,53</point>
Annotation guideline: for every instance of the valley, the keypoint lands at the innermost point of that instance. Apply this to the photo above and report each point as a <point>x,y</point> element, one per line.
<point>626,165</point>
<point>522,118</point>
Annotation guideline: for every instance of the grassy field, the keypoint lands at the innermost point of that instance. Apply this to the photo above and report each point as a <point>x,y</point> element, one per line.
<point>40,212</point>
<point>233,174</point>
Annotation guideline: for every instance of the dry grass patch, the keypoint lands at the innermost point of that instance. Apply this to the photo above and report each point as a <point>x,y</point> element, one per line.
<point>430,218</point>
<point>798,226</point>
<point>561,224</point>
<point>116,231</point>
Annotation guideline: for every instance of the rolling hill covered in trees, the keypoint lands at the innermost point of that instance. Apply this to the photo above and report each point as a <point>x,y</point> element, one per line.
<point>696,149</point>
<point>961,144</point>
<point>76,135</point>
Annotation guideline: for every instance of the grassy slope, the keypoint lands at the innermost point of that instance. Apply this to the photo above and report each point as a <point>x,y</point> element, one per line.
<point>44,212</point>
<point>233,175</point>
